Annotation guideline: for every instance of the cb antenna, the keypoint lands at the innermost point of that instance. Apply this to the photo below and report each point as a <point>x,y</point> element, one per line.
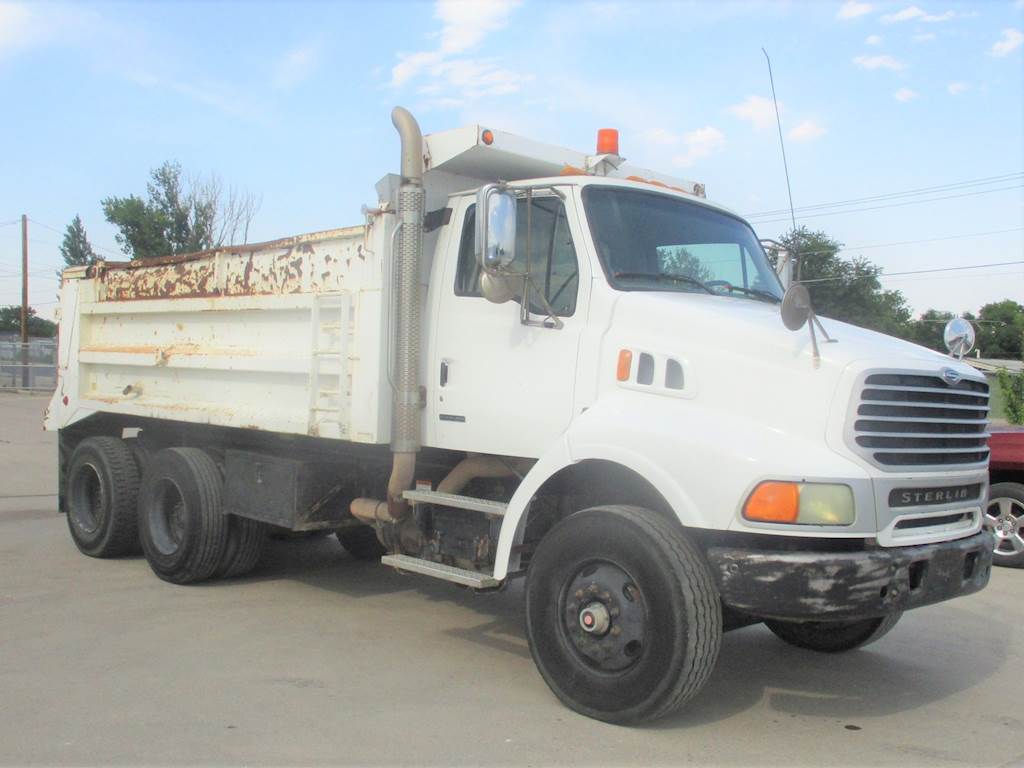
<point>778,121</point>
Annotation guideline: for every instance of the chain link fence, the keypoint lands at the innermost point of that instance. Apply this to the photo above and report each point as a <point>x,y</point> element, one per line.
<point>28,366</point>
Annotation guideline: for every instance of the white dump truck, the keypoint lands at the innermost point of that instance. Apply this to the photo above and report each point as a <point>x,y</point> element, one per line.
<point>530,362</point>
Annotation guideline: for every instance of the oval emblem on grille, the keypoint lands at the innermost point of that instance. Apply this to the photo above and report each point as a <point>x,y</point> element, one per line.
<point>950,376</point>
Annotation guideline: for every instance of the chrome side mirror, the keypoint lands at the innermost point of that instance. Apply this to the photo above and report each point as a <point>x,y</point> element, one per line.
<point>495,228</point>
<point>783,261</point>
<point>958,337</point>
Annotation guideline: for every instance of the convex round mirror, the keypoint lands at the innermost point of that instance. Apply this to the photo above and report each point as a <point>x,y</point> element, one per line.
<point>796,306</point>
<point>959,337</point>
<point>496,228</point>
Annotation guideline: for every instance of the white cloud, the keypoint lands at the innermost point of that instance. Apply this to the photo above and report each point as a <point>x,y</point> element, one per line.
<point>1010,41</point>
<point>873,40</point>
<point>883,61</point>
<point>914,13</point>
<point>468,22</point>
<point>924,37</point>
<point>905,94</point>
<point>807,130</point>
<point>465,24</point>
<point>757,110</point>
<point>955,89</point>
<point>294,67</point>
<point>851,9</point>
<point>698,144</point>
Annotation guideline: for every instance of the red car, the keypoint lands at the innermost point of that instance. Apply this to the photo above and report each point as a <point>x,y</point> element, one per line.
<point>1005,513</point>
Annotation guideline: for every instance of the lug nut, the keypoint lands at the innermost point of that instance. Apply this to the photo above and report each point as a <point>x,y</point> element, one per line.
<point>616,631</point>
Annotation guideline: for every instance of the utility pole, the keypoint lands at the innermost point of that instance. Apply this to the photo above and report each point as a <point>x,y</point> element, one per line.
<point>24,300</point>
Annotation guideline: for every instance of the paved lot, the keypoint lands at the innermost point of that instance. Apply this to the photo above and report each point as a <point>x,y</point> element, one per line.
<point>317,659</point>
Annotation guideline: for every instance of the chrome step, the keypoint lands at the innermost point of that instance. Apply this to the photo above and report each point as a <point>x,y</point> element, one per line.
<point>473,579</point>
<point>471,503</point>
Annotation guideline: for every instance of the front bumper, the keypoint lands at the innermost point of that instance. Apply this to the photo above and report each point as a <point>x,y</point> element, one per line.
<point>849,585</point>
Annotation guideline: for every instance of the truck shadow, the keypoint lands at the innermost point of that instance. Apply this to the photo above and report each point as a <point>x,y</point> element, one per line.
<point>897,674</point>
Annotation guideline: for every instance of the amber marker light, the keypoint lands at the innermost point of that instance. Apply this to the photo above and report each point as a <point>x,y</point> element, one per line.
<point>773,502</point>
<point>487,137</point>
<point>625,365</point>
<point>607,141</point>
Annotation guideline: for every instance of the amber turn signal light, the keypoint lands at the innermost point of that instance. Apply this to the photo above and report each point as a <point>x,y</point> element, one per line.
<point>774,502</point>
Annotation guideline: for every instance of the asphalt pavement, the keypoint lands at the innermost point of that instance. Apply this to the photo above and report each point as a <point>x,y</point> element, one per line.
<point>317,659</point>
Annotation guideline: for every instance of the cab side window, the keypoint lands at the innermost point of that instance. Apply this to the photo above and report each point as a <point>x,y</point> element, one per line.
<point>553,266</point>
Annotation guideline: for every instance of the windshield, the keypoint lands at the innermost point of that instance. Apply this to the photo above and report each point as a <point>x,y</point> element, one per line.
<point>653,242</point>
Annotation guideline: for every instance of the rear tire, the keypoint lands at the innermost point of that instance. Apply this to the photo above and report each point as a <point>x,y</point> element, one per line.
<point>622,615</point>
<point>101,493</point>
<point>361,542</point>
<point>244,546</point>
<point>1004,517</point>
<point>183,530</point>
<point>833,636</point>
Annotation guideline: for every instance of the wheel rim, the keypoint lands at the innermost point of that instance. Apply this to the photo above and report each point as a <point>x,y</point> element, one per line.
<point>88,498</point>
<point>166,517</point>
<point>604,617</point>
<point>1004,518</point>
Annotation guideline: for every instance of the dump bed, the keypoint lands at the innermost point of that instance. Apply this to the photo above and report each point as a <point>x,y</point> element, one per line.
<point>285,336</point>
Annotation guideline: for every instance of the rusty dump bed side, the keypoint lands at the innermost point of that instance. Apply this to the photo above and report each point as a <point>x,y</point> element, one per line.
<point>284,336</point>
<point>288,265</point>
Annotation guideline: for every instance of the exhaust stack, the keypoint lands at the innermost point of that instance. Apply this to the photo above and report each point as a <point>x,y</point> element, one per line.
<point>405,303</point>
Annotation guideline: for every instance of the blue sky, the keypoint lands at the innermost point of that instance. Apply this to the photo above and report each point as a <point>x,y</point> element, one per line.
<point>291,101</point>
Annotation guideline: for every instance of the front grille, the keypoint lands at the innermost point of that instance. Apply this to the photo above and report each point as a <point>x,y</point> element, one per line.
<point>914,421</point>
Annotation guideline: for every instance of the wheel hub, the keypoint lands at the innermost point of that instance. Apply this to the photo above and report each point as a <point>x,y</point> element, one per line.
<point>1005,520</point>
<point>605,617</point>
<point>595,619</point>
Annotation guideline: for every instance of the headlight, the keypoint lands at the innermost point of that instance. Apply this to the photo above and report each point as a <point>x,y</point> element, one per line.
<point>800,503</point>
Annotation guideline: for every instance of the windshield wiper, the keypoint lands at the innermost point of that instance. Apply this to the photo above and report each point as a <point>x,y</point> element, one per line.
<point>663,276</point>
<point>757,293</point>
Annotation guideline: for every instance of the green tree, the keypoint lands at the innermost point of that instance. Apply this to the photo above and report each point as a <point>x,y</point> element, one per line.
<point>179,215</point>
<point>1001,330</point>
<point>847,289</point>
<point>75,248</point>
<point>1012,386</point>
<point>10,322</point>
<point>927,330</point>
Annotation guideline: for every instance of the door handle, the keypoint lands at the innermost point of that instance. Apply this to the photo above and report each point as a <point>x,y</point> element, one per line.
<point>444,372</point>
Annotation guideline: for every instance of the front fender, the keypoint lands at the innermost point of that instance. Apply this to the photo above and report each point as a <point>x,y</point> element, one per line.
<point>702,462</point>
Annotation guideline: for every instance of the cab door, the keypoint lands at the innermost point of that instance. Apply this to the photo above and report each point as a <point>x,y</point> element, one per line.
<point>498,385</point>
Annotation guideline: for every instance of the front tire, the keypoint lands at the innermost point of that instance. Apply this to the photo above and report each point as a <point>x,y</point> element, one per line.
<point>361,542</point>
<point>833,636</point>
<point>1004,517</point>
<point>181,523</point>
<point>623,618</point>
<point>101,492</point>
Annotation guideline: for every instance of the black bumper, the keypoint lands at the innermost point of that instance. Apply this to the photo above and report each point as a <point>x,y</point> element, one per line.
<point>849,585</point>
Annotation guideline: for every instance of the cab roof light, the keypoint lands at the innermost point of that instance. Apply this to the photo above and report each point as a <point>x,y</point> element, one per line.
<point>607,141</point>
<point>487,136</point>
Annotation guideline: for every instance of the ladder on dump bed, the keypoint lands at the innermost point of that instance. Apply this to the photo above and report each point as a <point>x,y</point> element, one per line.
<point>330,320</point>
<point>467,578</point>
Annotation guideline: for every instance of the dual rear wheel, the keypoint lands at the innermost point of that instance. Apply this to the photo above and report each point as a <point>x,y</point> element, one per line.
<point>119,495</point>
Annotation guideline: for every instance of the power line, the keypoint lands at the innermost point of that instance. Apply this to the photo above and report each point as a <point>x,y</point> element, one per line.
<point>61,232</point>
<point>847,248</point>
<point>917,271</point>
<point>908,193</point>
<point>897,205</point>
